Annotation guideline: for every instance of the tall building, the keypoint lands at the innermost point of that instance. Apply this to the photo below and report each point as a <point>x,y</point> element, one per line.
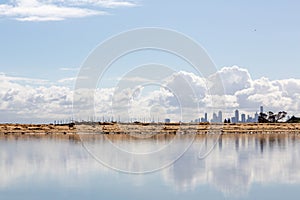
<point>256,117</point>
<point>214,118</point>
<point>233,120</point>
<point>261,109</point>
<point>220,117</point>
<point>204,119</point>
<point>243,116</point>
<point>236,115</point>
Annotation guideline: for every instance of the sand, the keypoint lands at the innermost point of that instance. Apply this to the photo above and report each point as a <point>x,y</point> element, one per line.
<point>150,128</point>
<point>35,129</point>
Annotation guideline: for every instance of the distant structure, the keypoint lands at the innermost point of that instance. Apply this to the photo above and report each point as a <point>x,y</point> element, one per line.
<point>261,109</point>
<point>204,119</point>
<point>243,116</point>
<point>220,116</point>
<point>217,118</point>
<point>236,115</point>
<point>214,118</point>
<point>256,117</point>
<point>233,120</point>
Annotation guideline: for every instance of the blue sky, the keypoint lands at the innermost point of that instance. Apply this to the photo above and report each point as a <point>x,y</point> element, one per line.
<point>262,36</point>
<point>49,40</point>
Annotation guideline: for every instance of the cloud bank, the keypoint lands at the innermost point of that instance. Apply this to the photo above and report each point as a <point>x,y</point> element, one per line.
<point>57,10</point>
<point>31,100</point>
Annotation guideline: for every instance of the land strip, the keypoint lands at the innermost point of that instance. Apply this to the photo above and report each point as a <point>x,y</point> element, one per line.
<point>150,128</point>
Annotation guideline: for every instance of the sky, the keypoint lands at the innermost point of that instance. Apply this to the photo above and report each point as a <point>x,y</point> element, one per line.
<point>44,43</point>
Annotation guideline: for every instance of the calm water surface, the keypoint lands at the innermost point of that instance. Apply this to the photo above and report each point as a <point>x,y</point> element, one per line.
<point>238,167</point>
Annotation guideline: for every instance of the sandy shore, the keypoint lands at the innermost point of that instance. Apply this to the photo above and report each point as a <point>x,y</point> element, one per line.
<point>144,128</point>
<point>36,129</point>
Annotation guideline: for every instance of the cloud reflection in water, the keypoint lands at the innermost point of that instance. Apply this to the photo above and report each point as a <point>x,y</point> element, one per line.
<point>233,167</point>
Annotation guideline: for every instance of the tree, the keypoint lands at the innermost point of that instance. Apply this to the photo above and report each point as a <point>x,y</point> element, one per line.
<point>271,117</point>
<point>293,119</point>
<point>263,118</point>
<point>280,115</point>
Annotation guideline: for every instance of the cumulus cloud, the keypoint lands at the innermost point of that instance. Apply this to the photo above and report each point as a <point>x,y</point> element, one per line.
<point>183,96</point>
<point>276,95</point>
<point>230,80</point>
<point>57,10</point>
<point>29,102</point>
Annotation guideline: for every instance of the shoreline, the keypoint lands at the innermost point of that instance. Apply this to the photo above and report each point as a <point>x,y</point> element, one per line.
<point>150,128</point>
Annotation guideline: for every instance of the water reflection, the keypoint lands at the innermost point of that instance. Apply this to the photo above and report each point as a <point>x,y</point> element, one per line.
<point>26,157</point>
<point>236,164</point>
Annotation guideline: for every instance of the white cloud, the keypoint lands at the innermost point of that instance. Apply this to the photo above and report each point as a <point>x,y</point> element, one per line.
<point>56,10</point>
<point>230,80</point>
<point>4,77</point>
<point>67,80</point>
<point>68,69</point>
<point>220,101</point>
<point>102,3</point>
<point>33,101</point>
<point>183,96</point>
<point>276,95</point>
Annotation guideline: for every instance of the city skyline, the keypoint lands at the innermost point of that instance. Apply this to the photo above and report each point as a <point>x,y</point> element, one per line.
<point>236,117</point>
<point>44,103</point>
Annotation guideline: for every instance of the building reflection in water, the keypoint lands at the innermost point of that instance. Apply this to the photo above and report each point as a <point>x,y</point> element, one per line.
<point>236,163</point>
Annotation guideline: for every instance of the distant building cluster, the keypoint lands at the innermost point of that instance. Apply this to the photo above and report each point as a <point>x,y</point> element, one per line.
<point>217,117</point>
<point>242,118</point>
<point>237,117</point>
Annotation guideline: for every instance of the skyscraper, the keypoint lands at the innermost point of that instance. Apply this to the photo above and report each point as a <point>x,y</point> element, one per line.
<point>243,116</point>
<point>261,109</point>
<point>256,117</point>
<point>233,120</point>
<point>237,118</point>
<point>214,118</point>
<point>220,117</point>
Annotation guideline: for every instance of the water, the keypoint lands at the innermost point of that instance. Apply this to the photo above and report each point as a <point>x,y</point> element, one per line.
<point>238,167</point>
